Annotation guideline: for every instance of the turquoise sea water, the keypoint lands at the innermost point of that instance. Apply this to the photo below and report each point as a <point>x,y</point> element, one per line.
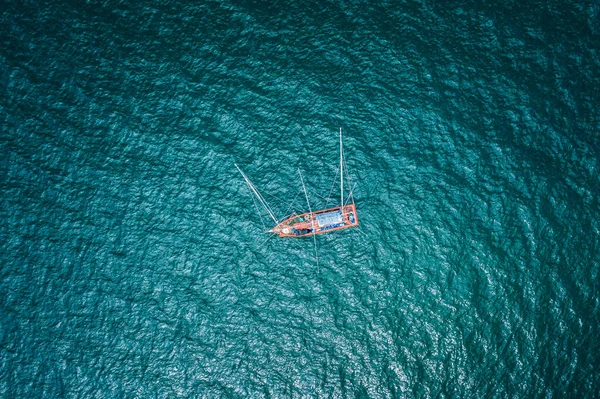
<point>134,265</point>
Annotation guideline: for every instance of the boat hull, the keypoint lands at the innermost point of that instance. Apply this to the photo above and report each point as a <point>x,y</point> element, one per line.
<point>318,222</point>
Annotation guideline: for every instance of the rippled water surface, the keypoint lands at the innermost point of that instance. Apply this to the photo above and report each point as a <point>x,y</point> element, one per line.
<point>133,263</point>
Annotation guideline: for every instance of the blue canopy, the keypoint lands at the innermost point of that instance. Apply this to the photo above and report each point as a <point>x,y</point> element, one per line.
<point>329,218</point>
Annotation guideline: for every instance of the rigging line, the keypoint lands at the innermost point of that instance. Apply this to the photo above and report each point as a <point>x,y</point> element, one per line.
<point>276,197</point>
<point>311,217</point>
<point>331,189</point>
<point>266,204</point>
<point>260,197</point>
<point>363,241</point>
<point>320,196</point>
<point>349,182</point>
<point>262,201</point>
<point>359,229</point>
<point>265,241</point>
<point>291,203</point>
<point>350,195</point>
<point>341,171</point>
<point>305,193</point>
<point>273,196</point>
<point>257,211</point>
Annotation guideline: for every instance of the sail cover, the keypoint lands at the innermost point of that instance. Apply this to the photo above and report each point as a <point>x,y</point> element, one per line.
<point>329,218</point>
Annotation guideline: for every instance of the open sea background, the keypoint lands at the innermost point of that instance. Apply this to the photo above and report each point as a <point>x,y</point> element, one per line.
<point>133,263</point>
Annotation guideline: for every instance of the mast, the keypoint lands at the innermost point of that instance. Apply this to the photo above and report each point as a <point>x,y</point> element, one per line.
<point>341,171</point>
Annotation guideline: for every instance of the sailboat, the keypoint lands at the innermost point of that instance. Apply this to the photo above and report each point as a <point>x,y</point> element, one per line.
<point>311,223</point>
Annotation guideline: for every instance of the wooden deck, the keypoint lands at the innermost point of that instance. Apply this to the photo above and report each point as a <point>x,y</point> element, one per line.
<point>318,222</point>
